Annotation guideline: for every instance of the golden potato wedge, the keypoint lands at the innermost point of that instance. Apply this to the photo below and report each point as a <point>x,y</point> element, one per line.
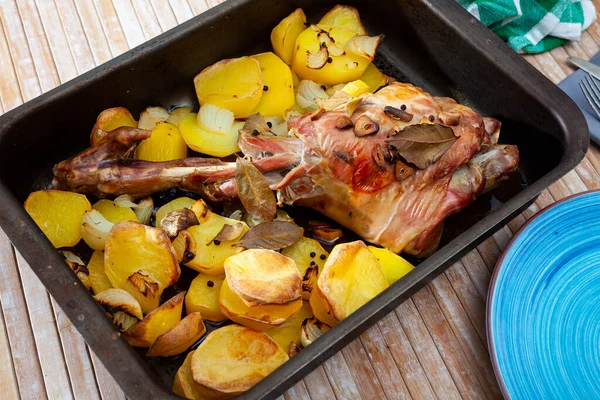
<point>351,277</point>
<point>373,78</point>
<point>289,332</point>
<point>344,17</point>
<point>58,214</point>
<point>98,279</point>
<point>278,90</point>
<point>394,266</point>
<point>141,260</point>
<point>235,84</point>
<point>310,258</point>
<point>261,276</point>
<point>321,308</point>
<point>356,88</point>
<point>179,338</point>
<point>184,384</point>
<point>260,317</point>
<point>203,297</point>
<point>239,359</point>
<point>177,114</point>
<point>320,56</point>
<point>157,322</point>
<point>151,117</point>
<point>120,306</point>
<point>166,143</point>
<point>283,36</point>
<point>111,119</point>
<point>113,212</point>
<point>210,255</point>
<point>173,205</point>
<point>204,141</point>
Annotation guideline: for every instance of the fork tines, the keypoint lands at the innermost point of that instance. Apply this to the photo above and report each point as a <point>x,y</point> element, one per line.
<point>590,87</point>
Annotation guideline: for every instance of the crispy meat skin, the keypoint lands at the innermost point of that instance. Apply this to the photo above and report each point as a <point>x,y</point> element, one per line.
<point>328,169</point>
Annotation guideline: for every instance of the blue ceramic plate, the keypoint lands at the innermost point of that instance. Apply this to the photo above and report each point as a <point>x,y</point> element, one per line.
<point>543,316</point>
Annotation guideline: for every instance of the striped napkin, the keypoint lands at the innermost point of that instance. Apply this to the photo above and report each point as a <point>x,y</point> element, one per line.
<point>533,26</point>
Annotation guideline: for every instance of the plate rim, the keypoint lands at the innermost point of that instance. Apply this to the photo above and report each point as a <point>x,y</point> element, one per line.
<point>494,278</point>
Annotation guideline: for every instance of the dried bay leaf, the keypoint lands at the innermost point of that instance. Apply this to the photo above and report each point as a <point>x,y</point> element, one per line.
<point>423,144</point>
<point>274,235</point>
<point>229,232</point>
<point>254,192</point>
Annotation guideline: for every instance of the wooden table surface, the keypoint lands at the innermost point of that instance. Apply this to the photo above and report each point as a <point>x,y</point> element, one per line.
<point>432,346</point>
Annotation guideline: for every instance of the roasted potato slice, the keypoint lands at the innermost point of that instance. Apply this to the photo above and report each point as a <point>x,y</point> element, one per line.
<point>157,322</point>
<point>394,266</point>
<point>114,213</point>
<point>344,17</point>
<point>321,308</point>
<point>184,384</point>
<point>260,317</point>
<point>203,297</point>
<point>120,306</point>
<point>111,119</point>
<point>211,254</point>
<point>261,276</point>
<point>179,338</point>
<point>166,143</point>
<point>235,84</point>
<point>58,214</point>
<point>141,260</point>
<point>283,36</point>
<point>289,332</point>
<point>351,277</point>
<point>202,140</point>
<point>239,359</point>
<point>98,279</point>
<point>173,205</point>
<point>278,90</point>
<point>310,258</point>
<point>373,78</point>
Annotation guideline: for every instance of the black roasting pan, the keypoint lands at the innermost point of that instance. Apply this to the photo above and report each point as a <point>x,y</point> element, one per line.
<point>434,44</point>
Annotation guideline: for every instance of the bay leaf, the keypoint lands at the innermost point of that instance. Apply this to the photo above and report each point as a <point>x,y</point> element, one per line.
<point>255,122</point>
<point>424,144</point>
<point>274,235</point>
<point>254,192</point>
<point>229,232</point>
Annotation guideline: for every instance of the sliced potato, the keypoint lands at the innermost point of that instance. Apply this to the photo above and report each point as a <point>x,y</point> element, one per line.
<point>111,119</point>
<point>260,317</point>
<point>177,114</point>
<point>58,214</point>
<point>394,266</point>
<point>239,359</point>
<point>173,205</point>
<point>289,332</point>
<point>374,78</point>
<point>235,84</point>
<point>278,90</point>
<point>98,279</point>
<point>113,212</point>
<point>356,88</point>
<point>321,308</point>
<point>344,17</point>
<point>310,258</point>
<point>283,36</point>
<point>179,338</point>
<point>204,141</point>
<point>165,144</point>
<point>141,260</point>
<point>185,386</point>
<point>203,297</point>
<point>261,276</point>
<point>210,255</point>
<point>157,322</point>
<point>351,277</point>
<point>316,61</point>
<point>151,117</point>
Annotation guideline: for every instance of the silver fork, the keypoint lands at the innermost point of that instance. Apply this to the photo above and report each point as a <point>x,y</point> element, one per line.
<point>590,87</point>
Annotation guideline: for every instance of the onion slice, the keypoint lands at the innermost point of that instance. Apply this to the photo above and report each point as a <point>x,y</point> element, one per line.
<point>364,46</point>
<point>215,118</point>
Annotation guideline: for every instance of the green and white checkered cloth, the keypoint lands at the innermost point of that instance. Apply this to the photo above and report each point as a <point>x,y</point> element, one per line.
<point>533,26</point>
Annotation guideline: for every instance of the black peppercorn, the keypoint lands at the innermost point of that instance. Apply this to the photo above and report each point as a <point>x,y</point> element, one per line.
<point>431,118</point>
<point>313,264</point>
<point>323,87</point>
<point>210,284</point>
<point>269,124</point>
<point>265,88</point>
<point>254,132</point>
<point>330,60</point>
<point>313,254</point>
<point>217,242</point>
<point>322,256</point>
<point>403,107</point>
